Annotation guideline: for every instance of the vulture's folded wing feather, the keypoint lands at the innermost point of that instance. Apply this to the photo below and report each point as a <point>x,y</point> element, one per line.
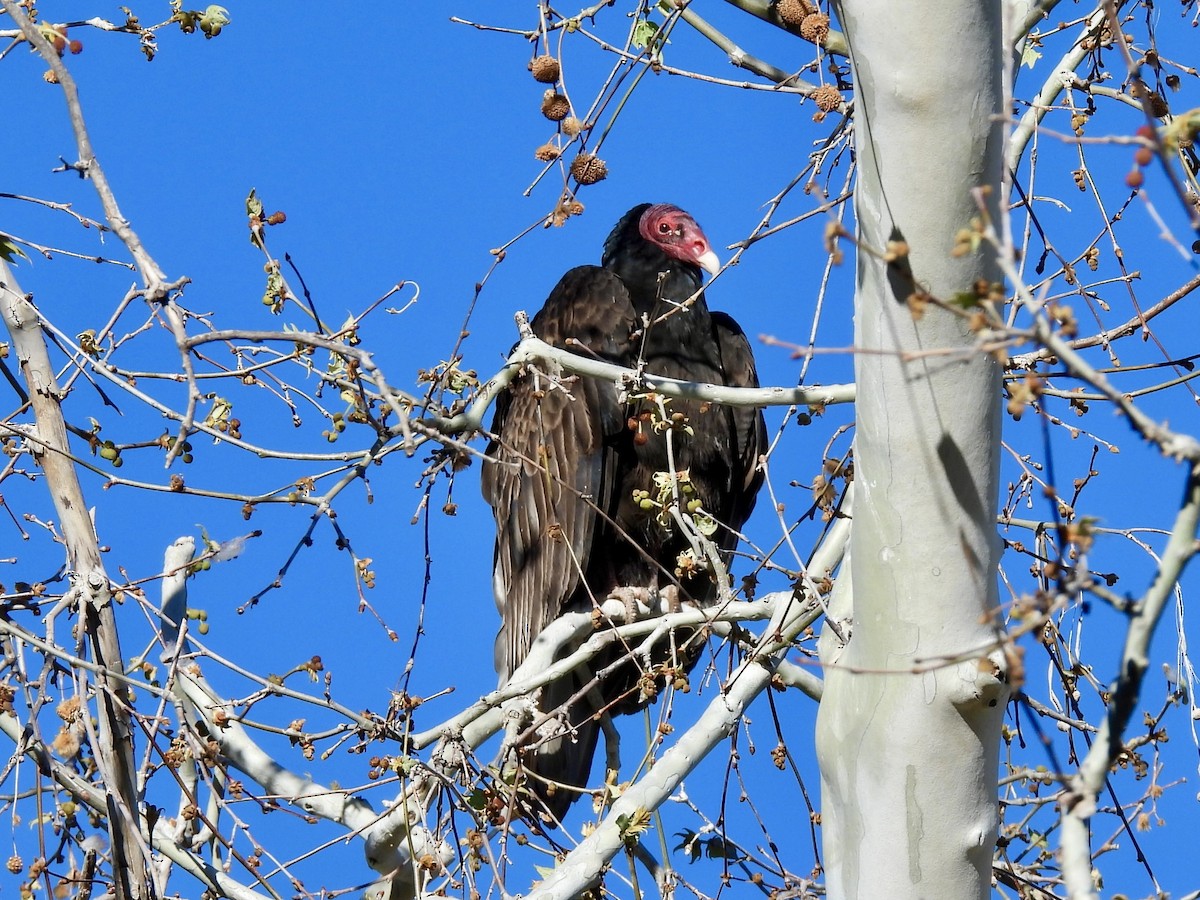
<point>550,463</point>
<point>749,427</point>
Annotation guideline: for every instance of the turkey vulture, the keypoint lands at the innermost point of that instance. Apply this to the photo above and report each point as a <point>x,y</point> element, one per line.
<point>571,474</point>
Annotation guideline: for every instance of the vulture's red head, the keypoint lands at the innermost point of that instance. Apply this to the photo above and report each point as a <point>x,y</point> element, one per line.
<point>677,235</point>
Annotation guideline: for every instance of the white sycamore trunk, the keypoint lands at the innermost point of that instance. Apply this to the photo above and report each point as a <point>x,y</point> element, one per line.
<point>908,730</point>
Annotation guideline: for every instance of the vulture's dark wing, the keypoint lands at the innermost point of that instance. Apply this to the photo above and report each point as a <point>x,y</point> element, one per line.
<point>552,467</point>
<point>550,464</point>
<point>749,428</point>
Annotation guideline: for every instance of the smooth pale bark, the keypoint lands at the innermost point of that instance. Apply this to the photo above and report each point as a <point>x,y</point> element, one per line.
<point>90,591</point>
<point>908,730</point>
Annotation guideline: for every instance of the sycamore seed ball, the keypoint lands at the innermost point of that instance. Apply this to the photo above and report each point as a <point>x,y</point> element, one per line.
<point>555,106</point>
<point>545,69</point>
<point>588,169</point>
<point>827,98</point>
<point>792,12</point>
<point>815,28</point>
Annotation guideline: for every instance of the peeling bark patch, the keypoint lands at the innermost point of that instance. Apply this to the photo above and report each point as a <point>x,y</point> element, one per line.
<point>914,821</point>
<point>929,687</point>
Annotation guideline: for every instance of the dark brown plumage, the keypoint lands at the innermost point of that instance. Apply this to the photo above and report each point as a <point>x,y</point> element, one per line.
<point>564,466</point>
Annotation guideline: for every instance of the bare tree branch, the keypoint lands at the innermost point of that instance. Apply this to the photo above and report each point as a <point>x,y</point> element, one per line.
<point>579,870</point>
<point>1079,802</point>
<point>89,588</point>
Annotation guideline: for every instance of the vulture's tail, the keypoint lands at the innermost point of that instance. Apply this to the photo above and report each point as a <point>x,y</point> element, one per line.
<point>557,769</point>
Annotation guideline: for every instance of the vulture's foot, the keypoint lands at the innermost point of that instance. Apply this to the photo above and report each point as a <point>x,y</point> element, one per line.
<point>636,601</point>
<point>673,598</point>
<point>612,744</point>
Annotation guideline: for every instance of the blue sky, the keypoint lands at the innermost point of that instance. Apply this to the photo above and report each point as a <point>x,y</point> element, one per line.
<point>399,146</point>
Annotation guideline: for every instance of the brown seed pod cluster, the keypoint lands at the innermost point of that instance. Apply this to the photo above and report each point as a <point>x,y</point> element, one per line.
<point>815,28</point>
<point>567,206</point>
<point>827,97</point>
<point>547,153</point>
<point>1152,100</point>
<point>587,168</point>
<point>1098,37</point>
<point>545,69</point>
<point>793,12</point>
<point>60,41</point>
<point>555,106</point>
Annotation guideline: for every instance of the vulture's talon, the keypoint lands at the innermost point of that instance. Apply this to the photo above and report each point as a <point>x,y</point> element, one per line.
<point>636,601</point>
<point>673,599</point>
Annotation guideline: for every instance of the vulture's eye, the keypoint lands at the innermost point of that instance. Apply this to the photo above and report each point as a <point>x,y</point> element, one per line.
<point>664,228</point>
